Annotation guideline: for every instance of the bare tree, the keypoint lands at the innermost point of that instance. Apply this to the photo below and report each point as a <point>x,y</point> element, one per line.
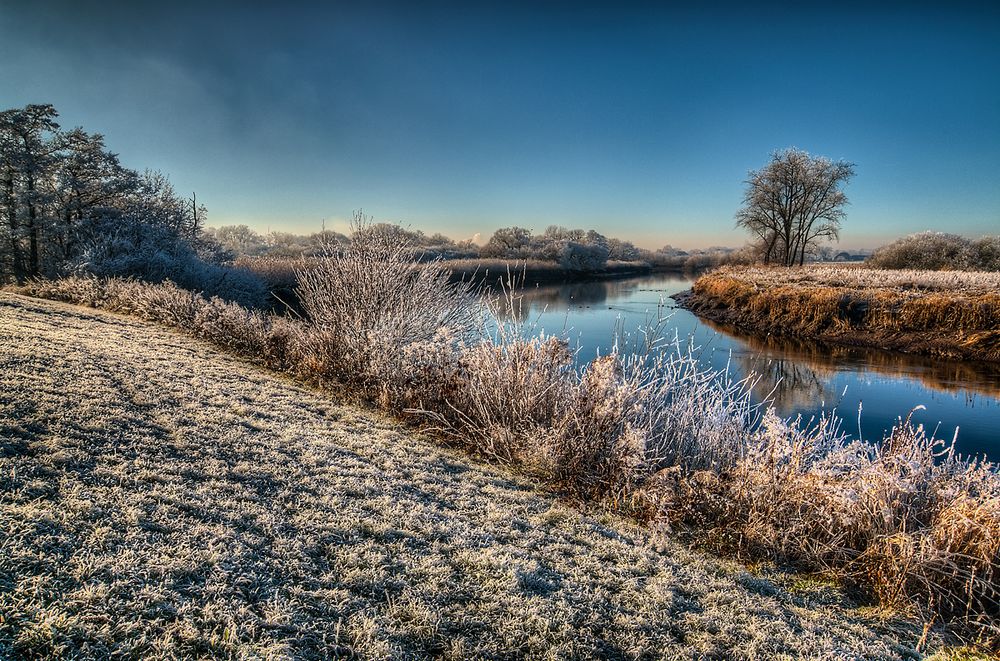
<point>793,203</point>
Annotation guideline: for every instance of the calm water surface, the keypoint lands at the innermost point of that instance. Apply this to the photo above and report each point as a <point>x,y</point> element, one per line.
<point>801,377</point>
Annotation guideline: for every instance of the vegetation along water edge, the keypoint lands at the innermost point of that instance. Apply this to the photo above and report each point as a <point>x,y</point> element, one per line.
<point>944,313</point>
<point>650,434</point>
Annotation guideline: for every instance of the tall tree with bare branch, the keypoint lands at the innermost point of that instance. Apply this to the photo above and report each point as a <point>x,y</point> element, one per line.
<point>793,203</point>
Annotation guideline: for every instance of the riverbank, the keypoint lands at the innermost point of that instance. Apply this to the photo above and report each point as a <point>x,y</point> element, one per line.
<point>654,437</point>
<point>948,314</point>
<point>533,272</point>
<point>280,274</point>
<point>162,498</point>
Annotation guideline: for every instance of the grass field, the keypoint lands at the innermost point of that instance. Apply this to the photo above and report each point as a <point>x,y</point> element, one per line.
<point>160,499</point>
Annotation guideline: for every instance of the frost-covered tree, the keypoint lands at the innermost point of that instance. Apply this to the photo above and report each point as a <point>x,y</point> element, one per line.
<point>583,256</point>
<point>29,142</point>
<point>511,242</point>
<point>793,203</point>
<point>90,184</point>
<point>624,251</point>
<point>68,205</point>
<point>239,239</point>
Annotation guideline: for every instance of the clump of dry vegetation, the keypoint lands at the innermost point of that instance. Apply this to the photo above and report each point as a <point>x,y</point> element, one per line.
<point>949,313</point>
<point>647,432</point>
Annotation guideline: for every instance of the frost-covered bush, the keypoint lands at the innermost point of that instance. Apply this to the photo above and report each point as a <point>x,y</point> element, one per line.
<point>373,302</point>
<point>583,257</point>
<point>985,253</point>
<point>129,248</point>
<point>937,251</point>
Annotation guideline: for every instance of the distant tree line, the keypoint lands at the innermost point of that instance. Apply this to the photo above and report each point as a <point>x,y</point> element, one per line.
<point>67,205</point>
<point>572,249</point>
<point>241,240</point>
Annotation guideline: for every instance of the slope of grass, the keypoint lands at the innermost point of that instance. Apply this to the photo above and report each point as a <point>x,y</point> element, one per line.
<point>159,499</point>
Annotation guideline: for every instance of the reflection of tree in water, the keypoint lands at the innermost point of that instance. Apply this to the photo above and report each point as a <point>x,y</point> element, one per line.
<point>790,384</point>
<point>529,302</point>
<point>807,364</point>
<point>563,297</point>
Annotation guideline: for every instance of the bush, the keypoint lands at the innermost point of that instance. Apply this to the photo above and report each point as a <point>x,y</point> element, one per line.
<point>373,303</point>
<point>985,253</point>
<point>130,248</point>
<point>936,251</point>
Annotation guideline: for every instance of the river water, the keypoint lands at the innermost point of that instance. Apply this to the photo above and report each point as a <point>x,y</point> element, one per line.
<point>800,377</point>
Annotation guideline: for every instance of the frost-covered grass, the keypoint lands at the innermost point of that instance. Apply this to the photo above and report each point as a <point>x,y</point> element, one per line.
<point>911,282</point>
<point>649,434</point>
<point>159,499</point>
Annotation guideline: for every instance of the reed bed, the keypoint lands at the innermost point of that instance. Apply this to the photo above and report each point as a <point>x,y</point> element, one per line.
<point>649,432</point>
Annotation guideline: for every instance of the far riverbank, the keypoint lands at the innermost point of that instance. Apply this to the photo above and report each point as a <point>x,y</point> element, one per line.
<point>948,314</point>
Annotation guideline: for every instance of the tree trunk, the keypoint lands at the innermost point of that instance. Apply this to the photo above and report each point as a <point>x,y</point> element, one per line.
<point>770,248</point>
<point>15,245</point>
<point>33,260</point>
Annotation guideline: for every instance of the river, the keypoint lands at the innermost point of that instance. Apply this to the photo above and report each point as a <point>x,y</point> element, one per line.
<point>800,377</point>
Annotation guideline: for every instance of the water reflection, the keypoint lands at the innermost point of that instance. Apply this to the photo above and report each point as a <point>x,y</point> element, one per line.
<point>800,363</point>
<point>582,295</point>
<point>801,377</point>
<point>561,297</point>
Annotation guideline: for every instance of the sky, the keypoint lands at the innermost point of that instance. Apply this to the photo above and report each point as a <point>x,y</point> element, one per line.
<point>640,120</point>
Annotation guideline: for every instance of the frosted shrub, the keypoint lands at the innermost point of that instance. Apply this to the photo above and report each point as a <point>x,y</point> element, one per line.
<point>510,397</point>
<point>938,251</point>
<point>985,253</point>
<point>273,341</point>
<point>129,248</point>
<point>694,417</point>
<point>583,257</point>
<point>373,302</point>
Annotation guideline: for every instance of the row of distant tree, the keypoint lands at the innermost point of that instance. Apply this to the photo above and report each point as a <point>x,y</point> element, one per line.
<point>573,249</point>
<point>792,208</point>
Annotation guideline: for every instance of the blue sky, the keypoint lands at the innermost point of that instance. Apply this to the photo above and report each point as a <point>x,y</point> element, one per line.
<point>639,120</point>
